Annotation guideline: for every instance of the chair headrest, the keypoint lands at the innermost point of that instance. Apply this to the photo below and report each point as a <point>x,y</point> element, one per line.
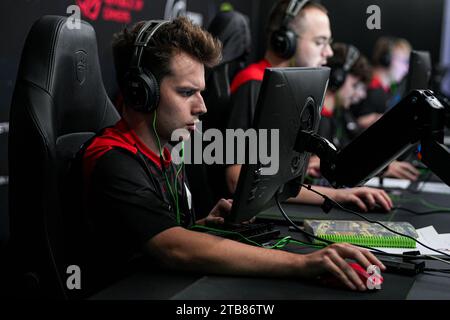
<point>64,63</point>
<point>233,30</point>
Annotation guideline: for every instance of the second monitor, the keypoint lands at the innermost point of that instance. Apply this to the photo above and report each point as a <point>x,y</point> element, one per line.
<point>290,100</point>
<point>419,71</point>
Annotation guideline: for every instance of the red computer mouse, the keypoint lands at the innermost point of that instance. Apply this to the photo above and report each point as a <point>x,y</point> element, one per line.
<point>370,277</point>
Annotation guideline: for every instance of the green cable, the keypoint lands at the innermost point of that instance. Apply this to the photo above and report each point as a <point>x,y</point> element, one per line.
<point>281,243</point>
<point>165,175</point>
<point>287,240</point>
<point>196,226</point>
<point>307,244</point>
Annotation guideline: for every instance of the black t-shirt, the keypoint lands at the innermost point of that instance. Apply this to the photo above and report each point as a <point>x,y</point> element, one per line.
<point>243,102</point>
<point>129,196</point>
<point>375,102</point>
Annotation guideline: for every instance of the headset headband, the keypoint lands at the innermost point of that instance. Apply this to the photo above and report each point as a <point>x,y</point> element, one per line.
<point>352,56</point>
<point>292,10</point>
<point>142,39</point>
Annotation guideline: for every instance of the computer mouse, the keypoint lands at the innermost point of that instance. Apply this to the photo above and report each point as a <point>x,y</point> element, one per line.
<point>372,280</point>
<point>376,209</point>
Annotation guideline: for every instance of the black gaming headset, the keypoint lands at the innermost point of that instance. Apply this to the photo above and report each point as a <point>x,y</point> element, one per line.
<point>141,87</point>
<point>385,58</point>
<point>284,40</point>
<point>339,72</point>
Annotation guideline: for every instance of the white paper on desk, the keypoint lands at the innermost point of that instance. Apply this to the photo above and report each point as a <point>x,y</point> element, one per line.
<point>435,187</point>
<point>388,183</point>
<point>429,237</point>
<point>445,238</point>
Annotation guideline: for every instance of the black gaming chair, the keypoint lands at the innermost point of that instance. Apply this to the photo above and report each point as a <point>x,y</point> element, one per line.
<point>59,102</point>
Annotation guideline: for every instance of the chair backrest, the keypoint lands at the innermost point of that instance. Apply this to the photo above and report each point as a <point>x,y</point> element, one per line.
<point>59,102</point>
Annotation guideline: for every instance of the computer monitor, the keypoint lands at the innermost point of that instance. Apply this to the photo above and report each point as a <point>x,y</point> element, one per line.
<point>419,71</point>
<point>290,100</point>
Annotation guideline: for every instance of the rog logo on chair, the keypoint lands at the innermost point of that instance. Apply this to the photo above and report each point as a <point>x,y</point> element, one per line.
<point>81,66</point>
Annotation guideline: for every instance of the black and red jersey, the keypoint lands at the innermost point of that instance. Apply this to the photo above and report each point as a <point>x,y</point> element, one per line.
<point>244,95</point>
<point>245,89</point>
<point>130,192</point>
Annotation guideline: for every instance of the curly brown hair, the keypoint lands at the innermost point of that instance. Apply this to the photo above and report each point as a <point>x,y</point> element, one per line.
<point>179,35</point>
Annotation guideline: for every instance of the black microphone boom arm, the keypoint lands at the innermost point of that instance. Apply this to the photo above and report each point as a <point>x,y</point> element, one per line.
<point>419,117</point>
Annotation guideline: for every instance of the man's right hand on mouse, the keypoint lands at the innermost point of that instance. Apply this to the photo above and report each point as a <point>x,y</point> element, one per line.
<point>332,259</point>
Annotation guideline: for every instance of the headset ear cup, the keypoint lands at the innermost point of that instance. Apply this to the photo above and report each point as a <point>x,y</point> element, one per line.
<point>152,91</point>
<point>135,94</point>
<point>142,91</point>
<point>385,59</point>
<point>337,78</point>
<point>284,43</point>
<point>292,41</point>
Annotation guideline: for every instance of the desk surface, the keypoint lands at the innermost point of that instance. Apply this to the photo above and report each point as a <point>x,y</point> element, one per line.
<point>174,285</point>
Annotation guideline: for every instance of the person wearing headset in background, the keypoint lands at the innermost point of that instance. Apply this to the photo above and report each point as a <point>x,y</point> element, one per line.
<point>391,62</point>
<point>350,74</point>
<point>299,35</point>
<point>135,197</point>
